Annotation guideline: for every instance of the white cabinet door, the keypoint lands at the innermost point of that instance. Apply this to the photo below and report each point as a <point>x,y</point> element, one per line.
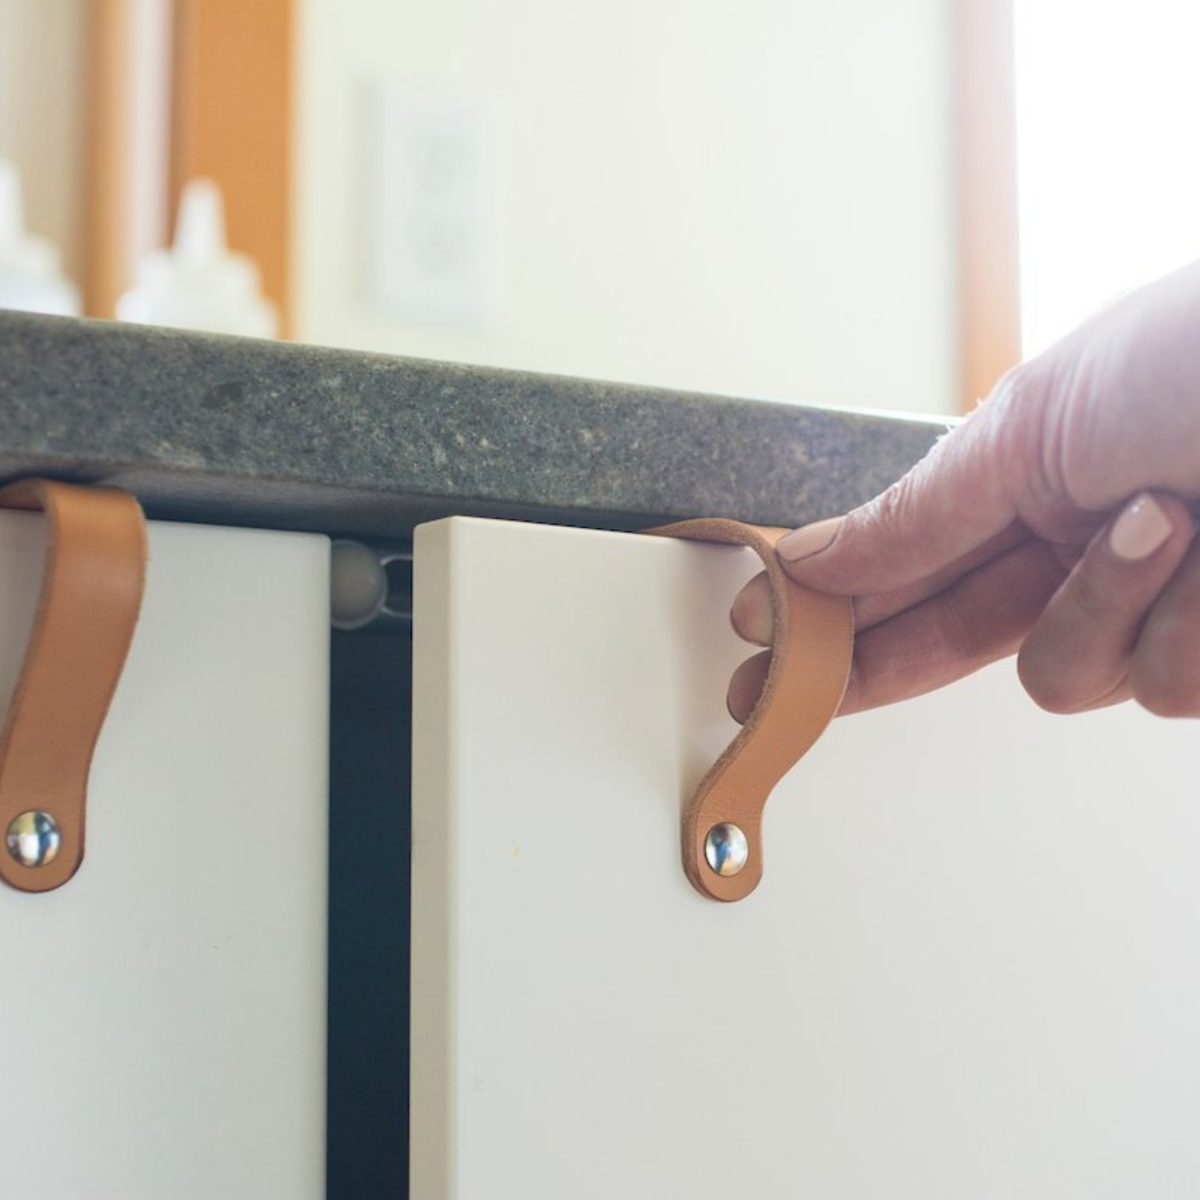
<point>972,968</point>
<point>164,1011</point>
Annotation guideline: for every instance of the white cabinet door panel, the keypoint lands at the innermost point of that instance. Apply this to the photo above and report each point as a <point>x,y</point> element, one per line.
<point>971,969</point>
<point>164,1011</point>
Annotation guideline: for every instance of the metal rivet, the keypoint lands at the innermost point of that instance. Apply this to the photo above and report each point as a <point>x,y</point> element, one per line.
<point>34,838</point>
<point>726,849</point>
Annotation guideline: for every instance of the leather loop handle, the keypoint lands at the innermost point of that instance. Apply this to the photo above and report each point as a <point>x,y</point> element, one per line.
<point>810,666</point>
<point>91,593</point>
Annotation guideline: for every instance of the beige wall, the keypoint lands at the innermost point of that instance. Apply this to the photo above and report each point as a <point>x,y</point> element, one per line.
<point>749,197</point>
<point>752,198</point>
<point>41,108</point>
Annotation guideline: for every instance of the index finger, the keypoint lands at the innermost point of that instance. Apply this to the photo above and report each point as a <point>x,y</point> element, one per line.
<point>959,497</point>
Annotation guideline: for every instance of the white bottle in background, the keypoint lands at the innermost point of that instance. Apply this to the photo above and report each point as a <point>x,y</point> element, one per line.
<point>30,276</point>
<point>199,283</point>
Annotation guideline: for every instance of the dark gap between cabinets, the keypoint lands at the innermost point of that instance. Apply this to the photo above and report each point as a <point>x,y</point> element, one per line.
<point>369,839</point>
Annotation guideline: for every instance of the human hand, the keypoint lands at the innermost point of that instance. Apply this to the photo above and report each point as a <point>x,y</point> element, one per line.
<point>1054,521</point>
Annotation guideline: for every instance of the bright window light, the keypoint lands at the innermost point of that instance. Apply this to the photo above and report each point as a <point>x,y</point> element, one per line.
<point>1108,151</point>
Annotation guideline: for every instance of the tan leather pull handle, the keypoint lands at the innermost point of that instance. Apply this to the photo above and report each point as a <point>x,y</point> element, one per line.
<point>810,666</point>
<point>91,594</point>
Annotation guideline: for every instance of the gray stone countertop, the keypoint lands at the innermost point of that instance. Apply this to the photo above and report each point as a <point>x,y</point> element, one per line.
<point>236,431</point>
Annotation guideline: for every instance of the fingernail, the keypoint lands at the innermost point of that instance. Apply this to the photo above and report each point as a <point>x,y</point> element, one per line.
<point>808,540</point>
<point>1140,529</point>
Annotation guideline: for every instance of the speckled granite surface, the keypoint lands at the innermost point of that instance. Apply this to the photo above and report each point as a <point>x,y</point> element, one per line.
<point>246,432</point>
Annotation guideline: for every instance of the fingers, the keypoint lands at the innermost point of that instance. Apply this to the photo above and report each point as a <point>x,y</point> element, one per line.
<point>1080,653</point>
<point>959,497</point>
<point>751,616</point>
<point>1123,623</point>
<point>1107,412</point>
<point>873,609</point>
<point>745,686</point>
<point>1165,675</point>
<point>984,616</point>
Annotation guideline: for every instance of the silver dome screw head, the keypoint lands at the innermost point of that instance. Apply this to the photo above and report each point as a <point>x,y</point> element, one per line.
<point>33,838</point>
<point>726,849</point>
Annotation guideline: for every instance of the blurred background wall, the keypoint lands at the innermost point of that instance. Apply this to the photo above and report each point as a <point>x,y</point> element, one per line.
<point>802,201</point>
<point>752,198</point>
<point>43,115</point>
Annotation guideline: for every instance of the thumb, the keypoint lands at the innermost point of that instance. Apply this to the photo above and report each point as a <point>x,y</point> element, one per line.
<point>955,500</point>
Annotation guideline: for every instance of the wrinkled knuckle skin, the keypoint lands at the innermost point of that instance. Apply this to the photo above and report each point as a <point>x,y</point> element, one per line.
<point>889,509</point>
<point>888,514</point>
